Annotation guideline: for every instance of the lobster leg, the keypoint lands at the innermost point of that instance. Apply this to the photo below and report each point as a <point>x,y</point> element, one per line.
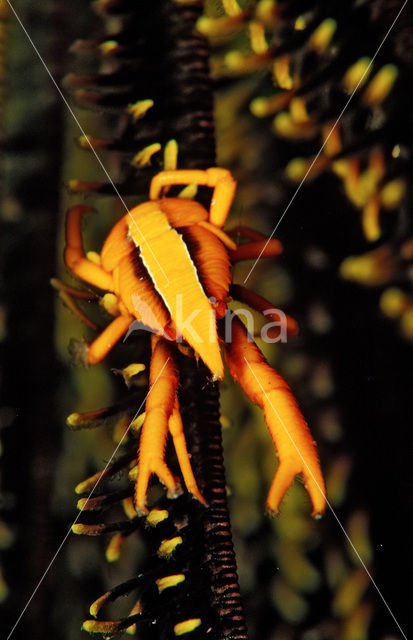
<point>68,295</point>
<point>74,256</point>
<point>69,301</point>
<point>74,293</point>
<point>162,414</point>
<point>259,303</point>
<point>163,380</point>
<point>264,248</point>
<point>253,249</point>
<point>242,231</point>
<point>289,431</point>
<point>100,347</point>
<point>177,432</point>
<point>220,180</point>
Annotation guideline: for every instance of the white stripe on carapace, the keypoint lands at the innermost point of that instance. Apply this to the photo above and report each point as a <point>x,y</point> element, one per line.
<point>183,294</point>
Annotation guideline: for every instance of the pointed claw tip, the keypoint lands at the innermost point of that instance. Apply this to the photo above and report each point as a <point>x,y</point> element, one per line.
<point>317,515</point>
<point>141,510</point>
<point>175,492</point>
<point>196,495</point>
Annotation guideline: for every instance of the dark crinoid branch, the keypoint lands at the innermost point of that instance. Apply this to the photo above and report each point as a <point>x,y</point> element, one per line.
<point>188,585</point>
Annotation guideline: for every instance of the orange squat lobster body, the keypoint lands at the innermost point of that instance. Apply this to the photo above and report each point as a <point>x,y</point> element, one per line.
<point>168,264</point>
<point>182,290</point>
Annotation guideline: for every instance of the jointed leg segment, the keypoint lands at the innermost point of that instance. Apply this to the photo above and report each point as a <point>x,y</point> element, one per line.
<point>259,244</point>
<point>69,295</point>
<point>176,430</point>
<point>162,414</point>
<point>100,347</point>
<point>250,250</point>
<point>288,429</point>
<point>220,180</point>
<point>74,256</point>
<point>259,303</point>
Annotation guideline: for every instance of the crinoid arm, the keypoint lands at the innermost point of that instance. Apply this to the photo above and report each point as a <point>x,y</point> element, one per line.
<point>289,431</point>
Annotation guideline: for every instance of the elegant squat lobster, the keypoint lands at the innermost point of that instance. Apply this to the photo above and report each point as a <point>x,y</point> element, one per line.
<point>168,260</point>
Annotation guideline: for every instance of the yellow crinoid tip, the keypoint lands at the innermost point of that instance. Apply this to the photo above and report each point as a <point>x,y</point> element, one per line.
<point>74,420</point>
<point>257,37</point>
<point>137,423</point>
<point>393,302</point>
<point>129,372</point>
<point>231,7</point>
<point>259,107</point>
<point>98,604</point>
<point>109,302</point>
<point>350,593</point>
<point>322,35</point>
<point>112,553</point>
<point>370,220</point>
<point>371,269</point>
<point>284,125</point>
<point>169,581</point>
<point>213,27</point>
<point>129,508</point>
<point>79,529</point>
<point>234,60</point>
<point>381,85</point>
<point>139,109</point>
<point>167,547</point>
<point>108,47</point>
<point>358,527</point>
<point>93,256</point>
<point>298,110</point>
<point>86,141</point>
<point>266,11</point>
<point>300,24</point>
<point>170,156</point>
<point>297,168</point>
<point>357,74</point>
<point>155,516</point>
<point>186,626</point>
<point>225,422</point>
<point>189,192</point>
<point>281,72</point>
<point>144,157</point>
<point>107,629</point>
<point>133,475</point>
<point>90,142</point>
<point>393,193</point>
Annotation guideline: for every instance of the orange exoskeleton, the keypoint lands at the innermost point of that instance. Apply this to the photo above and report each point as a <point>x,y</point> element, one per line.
<point>168,264</point>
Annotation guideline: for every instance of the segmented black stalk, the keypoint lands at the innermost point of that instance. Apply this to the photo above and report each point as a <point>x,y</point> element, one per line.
<point>201,415</point>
